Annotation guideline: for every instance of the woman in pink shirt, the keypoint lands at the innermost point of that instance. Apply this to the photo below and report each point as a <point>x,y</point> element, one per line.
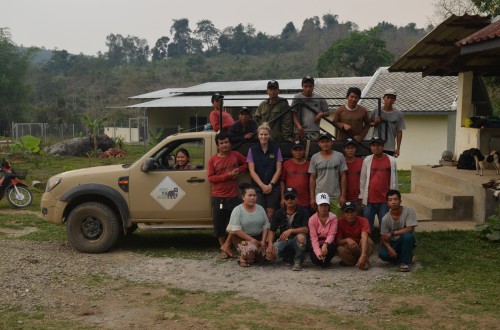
<point>322,230</point>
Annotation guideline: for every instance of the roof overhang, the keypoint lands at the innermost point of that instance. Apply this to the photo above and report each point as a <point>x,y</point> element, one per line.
<point>438,53</point>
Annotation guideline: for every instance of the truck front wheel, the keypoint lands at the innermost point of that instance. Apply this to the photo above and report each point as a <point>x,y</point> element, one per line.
<point>92,227</point>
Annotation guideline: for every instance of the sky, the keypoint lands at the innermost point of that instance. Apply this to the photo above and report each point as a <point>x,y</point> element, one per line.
<point>81,26</point>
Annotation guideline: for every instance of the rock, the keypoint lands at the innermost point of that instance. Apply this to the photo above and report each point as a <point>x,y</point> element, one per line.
<point>81,146</point>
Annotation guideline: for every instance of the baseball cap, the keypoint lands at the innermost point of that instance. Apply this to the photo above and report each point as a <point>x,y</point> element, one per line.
<point>217,96</point>
<point>376,139</point>
<point>308,79</point>
<point>350,141</point>
<point>390,91</point>
<point>245,109</point>
<point>273,83</point>
<point>297,144</point>
<point>349,205</point>
<point>322,198</point>
<point>323,135</point>
<point>290,191</point>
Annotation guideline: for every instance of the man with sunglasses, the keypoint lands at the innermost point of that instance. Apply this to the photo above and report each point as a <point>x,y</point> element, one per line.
<point>292,223</point>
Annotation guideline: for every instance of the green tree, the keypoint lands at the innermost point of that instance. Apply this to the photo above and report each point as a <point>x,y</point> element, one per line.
<point>491,7</point>
<point>358,55</point>
<point>208,34</point>
<point>13,88</point>
<point>160,50</point>
<point>94,125</point>
<point>181,38</point>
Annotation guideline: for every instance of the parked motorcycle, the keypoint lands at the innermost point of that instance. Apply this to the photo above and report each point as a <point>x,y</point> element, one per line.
<point>13,187</point>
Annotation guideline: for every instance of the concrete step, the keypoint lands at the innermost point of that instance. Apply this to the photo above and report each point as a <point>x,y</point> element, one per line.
<point>459,201</point>
<point>424,175</point>
<point>428,208</point>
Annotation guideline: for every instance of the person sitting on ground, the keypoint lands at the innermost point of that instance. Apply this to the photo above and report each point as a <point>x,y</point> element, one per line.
<point>244,129</point>
<point>322,230</point>
<point>397,232</point>
<point>223,171</point>
<point>352,120</point>
<point>354,245</point>
<point>295,174</point>
<point>182,160</point>
<point>249,226</point>
<point>227,119</point>
<point>292,223</point>
<point>307,109</point>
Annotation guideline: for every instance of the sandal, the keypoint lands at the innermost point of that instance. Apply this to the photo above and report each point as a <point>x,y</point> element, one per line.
<point>223,255</point>
<point>228,253</point>
<point>243,263</point>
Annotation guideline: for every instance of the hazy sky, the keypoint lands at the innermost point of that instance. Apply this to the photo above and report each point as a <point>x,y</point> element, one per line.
<point>81,26</point>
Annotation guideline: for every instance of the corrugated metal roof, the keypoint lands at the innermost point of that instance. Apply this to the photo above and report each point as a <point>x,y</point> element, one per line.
<point>190,101</point>
<point>437,54</point>
<point>167,92</point>
<point>415,93</point>
<point>257,86</point>
<point>491,31</point>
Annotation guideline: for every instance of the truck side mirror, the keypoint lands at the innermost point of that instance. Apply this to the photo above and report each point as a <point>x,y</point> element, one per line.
<point>148,165</point>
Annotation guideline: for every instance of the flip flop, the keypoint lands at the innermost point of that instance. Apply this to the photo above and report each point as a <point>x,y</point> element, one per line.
<point>228,253</point>
<point>223,255</point>
<point>243,263</point>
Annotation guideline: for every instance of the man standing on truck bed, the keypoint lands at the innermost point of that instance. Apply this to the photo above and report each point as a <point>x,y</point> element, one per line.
<point>281,128</point>
<point>352,120</point>
<point>223,170</point>
<point>227,119</point>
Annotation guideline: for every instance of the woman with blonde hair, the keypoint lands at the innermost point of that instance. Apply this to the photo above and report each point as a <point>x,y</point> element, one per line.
<point>264,164</point>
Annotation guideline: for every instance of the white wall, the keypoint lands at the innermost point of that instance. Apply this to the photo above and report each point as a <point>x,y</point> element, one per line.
<point>128,134</point>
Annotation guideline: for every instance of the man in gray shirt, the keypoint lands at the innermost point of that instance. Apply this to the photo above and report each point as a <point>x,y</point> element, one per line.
<point>390,122</point>
<point>308,108</point>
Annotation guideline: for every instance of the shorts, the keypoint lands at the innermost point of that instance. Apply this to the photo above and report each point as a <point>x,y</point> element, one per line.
<point>271,200</point>
<point>221,216</point>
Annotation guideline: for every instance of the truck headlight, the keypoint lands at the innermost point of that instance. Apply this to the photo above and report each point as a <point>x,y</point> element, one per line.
<point>52,183</point>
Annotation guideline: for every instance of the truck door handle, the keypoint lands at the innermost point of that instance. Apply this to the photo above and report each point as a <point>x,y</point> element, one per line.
<point>190,180</point>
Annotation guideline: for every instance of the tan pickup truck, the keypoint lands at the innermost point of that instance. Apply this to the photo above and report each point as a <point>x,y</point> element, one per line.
<point>100,204</point>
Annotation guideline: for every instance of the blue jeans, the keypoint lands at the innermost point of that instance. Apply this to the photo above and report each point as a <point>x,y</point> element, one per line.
<point>404,248</point>
<point>290,249</point>
<point>372,209</point>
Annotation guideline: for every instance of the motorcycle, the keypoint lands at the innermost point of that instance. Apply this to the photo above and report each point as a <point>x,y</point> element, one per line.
<point>13,187</point>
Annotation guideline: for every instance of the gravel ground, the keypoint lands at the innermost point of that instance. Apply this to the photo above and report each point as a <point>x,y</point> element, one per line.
<point>55,276</point>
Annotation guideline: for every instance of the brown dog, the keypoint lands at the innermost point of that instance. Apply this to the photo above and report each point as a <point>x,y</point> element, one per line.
<point>493,157</point>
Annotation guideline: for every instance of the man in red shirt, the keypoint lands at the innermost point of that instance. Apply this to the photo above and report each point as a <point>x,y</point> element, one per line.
<point>354,245</point>
<point>223,170</point>
<point>378,176</point>
<point>227,119</point>
<point>354,165</point>
<point>295,174</point>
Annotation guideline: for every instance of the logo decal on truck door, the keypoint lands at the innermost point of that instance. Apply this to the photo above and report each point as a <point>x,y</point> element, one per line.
<point>168,193</point>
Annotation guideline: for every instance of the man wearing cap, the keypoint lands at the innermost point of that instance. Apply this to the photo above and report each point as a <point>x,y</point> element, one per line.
<point>292,223</point>
<point>227,120</point>
<point>322,230</point>
<point>378,176</point>
<point>244,129</point>
<point>328,173</point>
<point>294,174</point>
<point>389,123</point>
<point>281,128</point>
<point>353,174</point>
<point>308,108</point>
<point>354,245</point>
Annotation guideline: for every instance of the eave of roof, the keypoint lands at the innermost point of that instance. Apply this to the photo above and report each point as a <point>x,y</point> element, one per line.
<point>437,54</point>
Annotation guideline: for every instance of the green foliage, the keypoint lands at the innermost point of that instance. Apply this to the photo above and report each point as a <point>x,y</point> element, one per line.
<point>491,7</point>
<point>154,138</point>
<point>358,55</point>
<point>490,230</point>
<point>95,125</point>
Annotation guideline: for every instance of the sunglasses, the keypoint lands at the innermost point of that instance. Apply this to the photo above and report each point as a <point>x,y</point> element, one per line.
<point>288,197</point>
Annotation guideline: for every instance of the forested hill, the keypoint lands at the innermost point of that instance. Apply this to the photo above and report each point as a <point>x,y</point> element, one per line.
<point>58,90</point>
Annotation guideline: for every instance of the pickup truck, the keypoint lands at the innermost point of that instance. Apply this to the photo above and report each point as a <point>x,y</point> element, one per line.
<point>101,204</point>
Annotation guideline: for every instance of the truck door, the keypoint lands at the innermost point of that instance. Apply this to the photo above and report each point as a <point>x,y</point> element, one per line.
<point>173,196</point>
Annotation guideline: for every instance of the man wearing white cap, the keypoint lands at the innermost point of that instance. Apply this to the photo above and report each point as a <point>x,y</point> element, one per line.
<point>389,124</point>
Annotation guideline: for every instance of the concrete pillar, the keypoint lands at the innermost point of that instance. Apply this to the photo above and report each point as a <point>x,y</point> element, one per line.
<point>466,138</point>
